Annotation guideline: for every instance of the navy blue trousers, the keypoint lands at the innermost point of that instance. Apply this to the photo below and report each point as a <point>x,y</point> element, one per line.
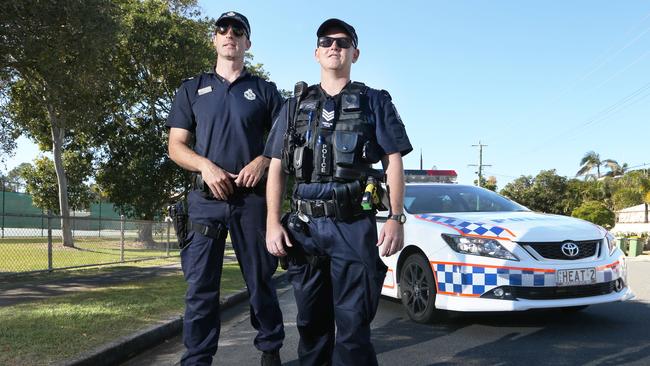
<point>245,216</point>
<point>344,293</point>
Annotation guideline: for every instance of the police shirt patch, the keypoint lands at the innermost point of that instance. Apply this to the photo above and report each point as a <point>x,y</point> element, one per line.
<point>249,94</point>
<point>328,113</point>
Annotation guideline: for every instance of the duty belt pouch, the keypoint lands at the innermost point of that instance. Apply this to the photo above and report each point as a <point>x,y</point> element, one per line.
<point>345,200</point>
<point>302,158</point>
<point>345,144</point>
<point>178,214</point>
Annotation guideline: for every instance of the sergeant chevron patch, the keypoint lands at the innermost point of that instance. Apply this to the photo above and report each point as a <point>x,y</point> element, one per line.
<point>328,115</point>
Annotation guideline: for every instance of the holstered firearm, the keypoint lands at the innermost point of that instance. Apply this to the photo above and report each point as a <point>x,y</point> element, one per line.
<point>296,255</point>
<point>179,216</point>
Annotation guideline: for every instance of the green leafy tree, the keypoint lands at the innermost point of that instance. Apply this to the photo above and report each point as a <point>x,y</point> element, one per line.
<point>545,193</point>
<point>55,69</point>
<point>596,212</point>
<point>8,134</point>
<point>631,189</point>
<point>575,194</point>
<point>487,183</point>
<point>156,37</point>
<point>41,181</point>
<point>15,174</point>
<point>13,181</point>
<point>519,190</point>
<point>549,192</point>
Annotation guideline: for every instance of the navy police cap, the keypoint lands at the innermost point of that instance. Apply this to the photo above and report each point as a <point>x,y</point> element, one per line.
<point>237,17</point>
<point>338,23</point>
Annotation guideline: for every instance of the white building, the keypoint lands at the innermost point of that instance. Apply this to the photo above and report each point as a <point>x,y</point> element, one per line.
<point>632,220</point>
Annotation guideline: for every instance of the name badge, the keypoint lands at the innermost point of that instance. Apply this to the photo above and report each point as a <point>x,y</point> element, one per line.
<point>205,90</point>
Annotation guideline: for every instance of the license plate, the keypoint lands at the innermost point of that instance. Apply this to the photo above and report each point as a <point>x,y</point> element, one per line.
<point>572,277</point>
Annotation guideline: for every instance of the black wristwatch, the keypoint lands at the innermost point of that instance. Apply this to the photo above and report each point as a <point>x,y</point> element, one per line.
<point>401,218</point>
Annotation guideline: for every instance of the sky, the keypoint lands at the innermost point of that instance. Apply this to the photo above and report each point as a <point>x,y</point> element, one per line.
<point>540,83</point>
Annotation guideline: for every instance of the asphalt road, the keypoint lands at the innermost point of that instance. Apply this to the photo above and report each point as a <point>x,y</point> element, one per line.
<point>608,334</point>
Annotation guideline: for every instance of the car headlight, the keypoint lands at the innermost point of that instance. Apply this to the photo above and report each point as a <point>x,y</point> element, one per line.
<point>611,242</point>
<point>478,246</point>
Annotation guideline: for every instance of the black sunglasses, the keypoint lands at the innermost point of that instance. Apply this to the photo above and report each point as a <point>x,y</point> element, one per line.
<point>236,30</point>
<point>327,42</point>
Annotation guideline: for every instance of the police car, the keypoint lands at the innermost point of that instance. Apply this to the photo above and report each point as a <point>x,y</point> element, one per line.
<point>469,249</point>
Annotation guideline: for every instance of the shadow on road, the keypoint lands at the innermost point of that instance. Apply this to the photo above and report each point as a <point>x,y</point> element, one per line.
<point>609,334</point>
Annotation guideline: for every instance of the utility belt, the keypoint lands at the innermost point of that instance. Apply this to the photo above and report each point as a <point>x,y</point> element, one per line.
<point>199,185</point>
<point>344,205</point>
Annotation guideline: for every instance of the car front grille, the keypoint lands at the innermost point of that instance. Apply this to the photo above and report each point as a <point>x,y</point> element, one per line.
<point>553,250</point>
<point>569,292</point>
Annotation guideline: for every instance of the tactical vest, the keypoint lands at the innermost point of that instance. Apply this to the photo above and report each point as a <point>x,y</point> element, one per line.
<point>328,148</point>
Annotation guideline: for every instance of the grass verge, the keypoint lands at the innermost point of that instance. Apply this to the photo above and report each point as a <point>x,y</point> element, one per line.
<point>52,330</point>
<point>31,254</point>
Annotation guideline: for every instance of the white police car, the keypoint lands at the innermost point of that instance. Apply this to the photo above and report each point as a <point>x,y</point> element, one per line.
<point>469,249</point>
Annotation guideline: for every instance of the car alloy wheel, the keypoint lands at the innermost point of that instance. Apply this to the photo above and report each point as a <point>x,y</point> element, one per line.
<point>417,288</point>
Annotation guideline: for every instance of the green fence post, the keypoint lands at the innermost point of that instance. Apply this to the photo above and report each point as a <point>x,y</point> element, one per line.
<point>3,208</point>
<point>49,241</point>
<point>99,232</point>
<point>122,238</point>
<point>169,225</point>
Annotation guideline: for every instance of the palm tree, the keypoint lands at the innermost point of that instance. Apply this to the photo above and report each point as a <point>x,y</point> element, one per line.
<point>615,169</point>
<point>590,161</point>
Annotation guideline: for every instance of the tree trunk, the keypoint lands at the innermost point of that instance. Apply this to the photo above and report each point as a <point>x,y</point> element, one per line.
<point>57,146</point>
<point>646,213</point>
<point>145,234</point>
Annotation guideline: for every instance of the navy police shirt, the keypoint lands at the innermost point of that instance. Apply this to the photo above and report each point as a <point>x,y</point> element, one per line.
<point>229,120</point>
<point>389,130</point>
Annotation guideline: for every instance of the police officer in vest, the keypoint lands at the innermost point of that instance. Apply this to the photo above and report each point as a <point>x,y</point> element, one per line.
<point>226,113</point>
<point>327,137</point>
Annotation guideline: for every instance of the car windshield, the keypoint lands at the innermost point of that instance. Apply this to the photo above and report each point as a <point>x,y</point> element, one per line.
<point>441,198</point>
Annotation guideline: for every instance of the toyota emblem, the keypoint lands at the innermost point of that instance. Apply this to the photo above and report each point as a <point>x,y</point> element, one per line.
<point>570,249</point>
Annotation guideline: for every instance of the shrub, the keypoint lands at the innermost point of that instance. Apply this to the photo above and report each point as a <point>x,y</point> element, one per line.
<point>595,212</point>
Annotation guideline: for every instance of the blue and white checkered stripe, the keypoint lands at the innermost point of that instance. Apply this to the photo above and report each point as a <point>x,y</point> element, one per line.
<point>609,273</point>
<point>468,228</point>
<point>473,280</point>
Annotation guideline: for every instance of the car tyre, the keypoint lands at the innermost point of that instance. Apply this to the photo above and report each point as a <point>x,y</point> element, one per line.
<point>418,289</point>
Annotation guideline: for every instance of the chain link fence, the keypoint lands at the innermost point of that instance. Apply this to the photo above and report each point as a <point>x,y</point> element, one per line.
<point>31,243</point>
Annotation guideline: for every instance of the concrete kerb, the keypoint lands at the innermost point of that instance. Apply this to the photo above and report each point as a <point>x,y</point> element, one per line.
<point>124,348</point>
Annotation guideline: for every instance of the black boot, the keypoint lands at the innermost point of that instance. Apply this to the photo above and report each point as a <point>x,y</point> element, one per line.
<point>271,359</point>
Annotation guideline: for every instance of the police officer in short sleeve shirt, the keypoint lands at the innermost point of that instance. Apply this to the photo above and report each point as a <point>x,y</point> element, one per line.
<point>225,114</point>
<point>327,138</point>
